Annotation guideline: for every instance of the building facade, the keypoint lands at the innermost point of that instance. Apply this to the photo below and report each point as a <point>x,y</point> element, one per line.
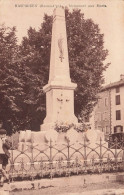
<point>109,111</point>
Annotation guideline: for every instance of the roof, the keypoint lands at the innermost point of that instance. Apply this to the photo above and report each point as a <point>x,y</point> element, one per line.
<point>113,85</point>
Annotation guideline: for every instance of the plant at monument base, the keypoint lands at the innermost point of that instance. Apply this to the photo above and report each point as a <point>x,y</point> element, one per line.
<point>81,127</point>
<point>64,127</point>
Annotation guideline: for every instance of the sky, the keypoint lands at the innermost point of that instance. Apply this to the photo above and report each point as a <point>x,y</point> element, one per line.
<point>108,14</point>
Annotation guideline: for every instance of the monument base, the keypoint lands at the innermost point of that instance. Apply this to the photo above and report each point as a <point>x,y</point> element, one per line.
<point>41,138</point>
<point>46,126</point>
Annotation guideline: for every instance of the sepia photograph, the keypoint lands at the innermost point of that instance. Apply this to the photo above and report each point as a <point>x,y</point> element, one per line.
<point>62,97</point>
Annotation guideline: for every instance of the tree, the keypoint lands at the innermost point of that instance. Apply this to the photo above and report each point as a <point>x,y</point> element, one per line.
<point>86,58</point>
<point>35,53</point>
<point>10,80</point>
<point>24,70</point>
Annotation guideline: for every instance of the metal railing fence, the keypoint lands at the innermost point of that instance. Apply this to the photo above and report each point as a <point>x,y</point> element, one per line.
<point>52,160</point>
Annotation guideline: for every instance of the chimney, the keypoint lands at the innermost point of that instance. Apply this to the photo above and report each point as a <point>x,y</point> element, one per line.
<point>122,77</point>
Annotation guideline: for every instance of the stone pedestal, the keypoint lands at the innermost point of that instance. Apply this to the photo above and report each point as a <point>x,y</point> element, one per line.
<point>59,104</point>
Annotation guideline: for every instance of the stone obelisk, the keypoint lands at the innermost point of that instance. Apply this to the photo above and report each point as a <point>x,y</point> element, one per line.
<point>59,90</point>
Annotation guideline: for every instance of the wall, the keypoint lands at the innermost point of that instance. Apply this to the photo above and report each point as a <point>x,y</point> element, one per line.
<point>105,110</point>
<point>102,118</point>
<point>115,107</point>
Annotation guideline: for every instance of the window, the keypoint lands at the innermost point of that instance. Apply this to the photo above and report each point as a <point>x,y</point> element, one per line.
<point>114,129</point>
<point>106,101</point>
<point>100,128</point>
<point>98,103</point>
<point>118,115</point>
<point>107,130</point>
<point>98,116</point>
<point>96,124</point>
<point>117,89</point>
<point>105,115</point>
<point>118,129</point>
<point>117,99</point>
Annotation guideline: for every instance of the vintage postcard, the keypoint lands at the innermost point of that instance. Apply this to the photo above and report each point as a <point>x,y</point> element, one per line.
<point>61,97</point>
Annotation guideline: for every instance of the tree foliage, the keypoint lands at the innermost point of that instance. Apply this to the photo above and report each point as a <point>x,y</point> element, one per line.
<point>10,82</point>
<point>86,57</point>
<point>27,66</point>
<point>35,53</point>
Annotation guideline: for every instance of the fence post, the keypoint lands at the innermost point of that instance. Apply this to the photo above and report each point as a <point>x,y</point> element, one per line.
<point>32,160</point>
<point>68,158</point>
<point>116,160</point>
<point>51,161</point>
<point>12,160</point>
<point>100,156</point>
<point>123,155</point>
<point>85,154</point>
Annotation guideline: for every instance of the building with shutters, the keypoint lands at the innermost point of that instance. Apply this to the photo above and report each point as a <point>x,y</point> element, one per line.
<point>109,111</point>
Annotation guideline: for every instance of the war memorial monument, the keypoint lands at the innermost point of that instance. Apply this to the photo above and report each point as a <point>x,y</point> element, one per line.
<point>59,95</point>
